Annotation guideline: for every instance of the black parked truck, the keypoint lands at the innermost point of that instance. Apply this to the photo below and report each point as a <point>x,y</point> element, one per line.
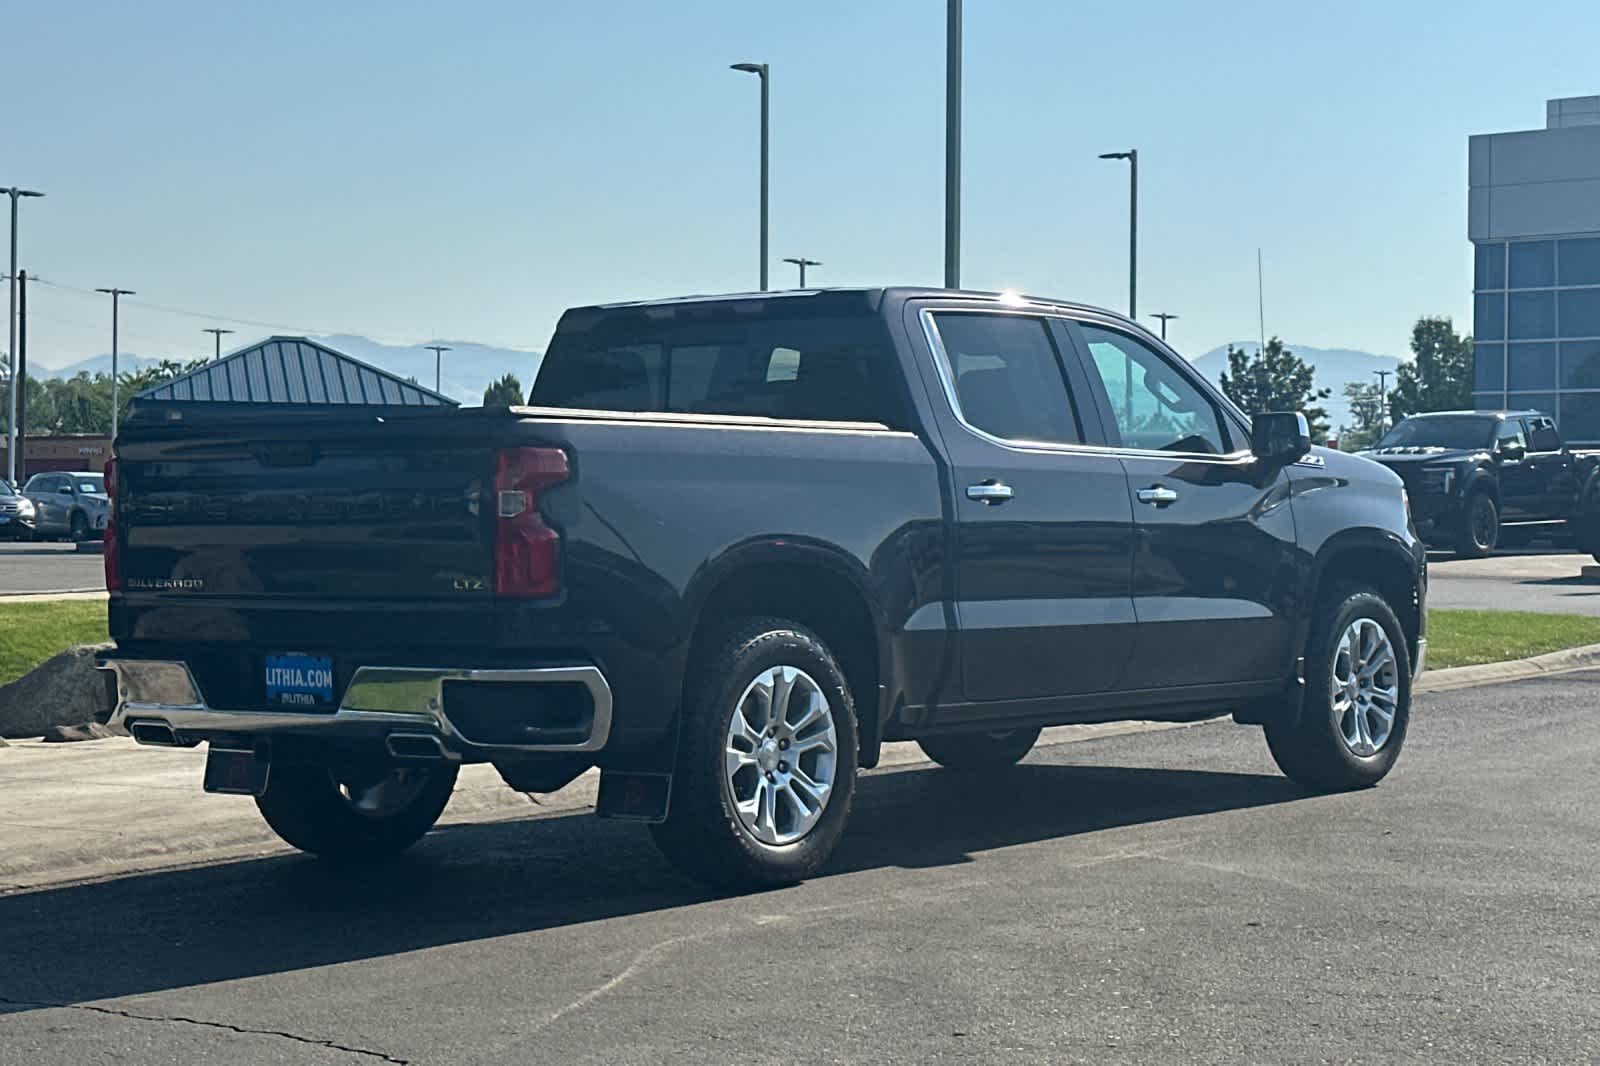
<point>1478,479</point>
<point>730,548</point>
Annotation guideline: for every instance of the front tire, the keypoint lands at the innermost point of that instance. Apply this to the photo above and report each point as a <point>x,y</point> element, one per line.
<point>1357,704</point>
<point>78,528</point>
<point>979,751</point>
<point>353,815</point>
<point>766,769</point>
<point>1479,529</point>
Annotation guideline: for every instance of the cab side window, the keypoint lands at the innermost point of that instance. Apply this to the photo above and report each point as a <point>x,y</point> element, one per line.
<point>1542,435</point>
<point>1510,432</point>
<point>1154,406</point>
<point>1008,377</point>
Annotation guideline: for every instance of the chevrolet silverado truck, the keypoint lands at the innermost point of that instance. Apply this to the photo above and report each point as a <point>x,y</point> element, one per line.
<point>731,547</point>
<point>1478,479</point>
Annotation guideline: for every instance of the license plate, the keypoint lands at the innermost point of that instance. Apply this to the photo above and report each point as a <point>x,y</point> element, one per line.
<point>295,679</point>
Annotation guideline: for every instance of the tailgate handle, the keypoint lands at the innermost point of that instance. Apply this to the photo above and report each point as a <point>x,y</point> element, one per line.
<point>285,453</point>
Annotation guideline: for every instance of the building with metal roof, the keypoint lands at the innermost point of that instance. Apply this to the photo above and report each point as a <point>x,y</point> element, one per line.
<point>294,370</point>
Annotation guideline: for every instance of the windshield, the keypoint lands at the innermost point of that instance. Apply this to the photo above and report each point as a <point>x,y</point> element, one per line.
<point>90,483</point>
<point>1466,431</point>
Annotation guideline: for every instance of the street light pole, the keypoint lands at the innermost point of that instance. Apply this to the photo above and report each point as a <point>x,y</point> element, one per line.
<point>1164,317</point>
<point>116,297</point>
<point>761,71</point>
<point>802,262</point>
<point>11,337</point>
<point>438,351</point>
<point>1132,156</point>
<point>952,145</point>
<point>217,335</point>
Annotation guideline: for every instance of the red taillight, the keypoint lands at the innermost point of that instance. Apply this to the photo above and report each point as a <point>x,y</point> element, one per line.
<point>113,550</point>
<point>527,553</point>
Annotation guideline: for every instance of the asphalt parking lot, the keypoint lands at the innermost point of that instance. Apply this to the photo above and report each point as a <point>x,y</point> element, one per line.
<point>49,567</point>
<point>1550,582</point>
<point>1156,897</point>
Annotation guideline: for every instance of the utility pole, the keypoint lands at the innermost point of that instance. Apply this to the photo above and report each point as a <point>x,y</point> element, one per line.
<point>1132,156</point>
<point>1383,396</point>
<point>952,145</point>
<point>217,335</point>
<point>438,351</point>
<point>116,297</point>
<point>16,194</point>
<point>762,71</point>
<point>1164,317</point>
<point>802,262</point>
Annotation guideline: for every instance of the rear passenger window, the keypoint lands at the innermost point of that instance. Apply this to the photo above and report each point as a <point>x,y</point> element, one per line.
<point>827,368</point>
<point>1542,436</point>
<point>1007,377</point>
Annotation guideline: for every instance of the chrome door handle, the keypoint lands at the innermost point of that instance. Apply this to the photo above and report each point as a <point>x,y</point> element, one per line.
<point>1159,495</point>
<point>990,492</point>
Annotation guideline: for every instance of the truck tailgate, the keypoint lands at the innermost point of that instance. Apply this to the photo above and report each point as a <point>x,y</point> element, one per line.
<point>354,506</point>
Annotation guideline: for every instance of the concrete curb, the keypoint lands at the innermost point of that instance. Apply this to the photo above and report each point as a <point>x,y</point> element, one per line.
<point>49,597</point>
<point>1556,662</point>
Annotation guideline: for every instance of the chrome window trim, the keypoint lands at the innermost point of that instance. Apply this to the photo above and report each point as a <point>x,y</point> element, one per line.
<point>942,367</point>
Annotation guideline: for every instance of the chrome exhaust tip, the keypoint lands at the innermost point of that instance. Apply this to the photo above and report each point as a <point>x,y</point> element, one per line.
<point>156,733</point>
<point>415,746</point>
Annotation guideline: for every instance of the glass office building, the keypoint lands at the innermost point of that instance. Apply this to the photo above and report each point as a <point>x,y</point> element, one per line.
<point>1534,221</point>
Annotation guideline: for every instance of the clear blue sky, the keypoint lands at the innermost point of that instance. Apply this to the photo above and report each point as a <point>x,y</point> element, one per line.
<point>411,170</point>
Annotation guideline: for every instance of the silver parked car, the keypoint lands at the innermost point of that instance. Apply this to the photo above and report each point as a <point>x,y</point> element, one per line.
<point>72,505</point>
<point>16,514</point>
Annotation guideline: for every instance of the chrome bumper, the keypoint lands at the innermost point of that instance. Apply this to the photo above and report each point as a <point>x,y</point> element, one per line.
<point>1422,658</point>
<point>380,704</point>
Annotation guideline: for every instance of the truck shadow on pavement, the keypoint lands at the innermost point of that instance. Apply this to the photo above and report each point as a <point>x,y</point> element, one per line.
<point>467,882</point>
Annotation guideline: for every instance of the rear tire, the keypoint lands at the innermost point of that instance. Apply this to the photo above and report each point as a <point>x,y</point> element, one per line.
<point>741,814</point>
<point>352,817</point>
<point>979,751</point>
<point>1479,528</point>
<point>1350,731</point>
<point>78,528</point>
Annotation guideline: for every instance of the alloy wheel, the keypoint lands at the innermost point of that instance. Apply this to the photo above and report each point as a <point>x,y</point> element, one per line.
<point>781,755</point>
<point>1365,687</point>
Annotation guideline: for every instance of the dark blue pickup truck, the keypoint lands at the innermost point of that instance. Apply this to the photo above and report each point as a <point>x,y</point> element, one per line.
<point>732,546</point>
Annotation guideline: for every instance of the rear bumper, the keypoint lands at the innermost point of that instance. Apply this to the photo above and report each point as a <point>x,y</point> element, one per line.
<point>401,708</point>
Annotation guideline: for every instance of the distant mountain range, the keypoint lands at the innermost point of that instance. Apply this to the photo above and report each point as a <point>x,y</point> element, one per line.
<point>1332,368</point>
<point>467,369</point>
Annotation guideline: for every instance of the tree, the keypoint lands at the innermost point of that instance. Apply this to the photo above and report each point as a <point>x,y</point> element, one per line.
<point>1367,404</point>
<point>1275,379</point>
<point>507,392</point>
<point>1439,376</point>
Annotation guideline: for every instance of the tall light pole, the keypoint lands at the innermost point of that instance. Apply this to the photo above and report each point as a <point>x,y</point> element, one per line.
<point>217,335</point>
<point>11,336</point>
<point>802,262</point>
<point>761,71</point>
<point>438,351</point>
<point>116,297</point>
<point>952,145</point>
<point>1164,317</point>
<point>1132,156</point>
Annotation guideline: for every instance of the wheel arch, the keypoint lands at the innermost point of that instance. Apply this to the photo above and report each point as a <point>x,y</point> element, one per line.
<point>1382,560</point>
<point>816,585</point>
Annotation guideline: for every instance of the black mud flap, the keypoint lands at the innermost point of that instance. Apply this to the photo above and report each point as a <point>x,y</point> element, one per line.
<point>235,772</point>
<point>634,796</point>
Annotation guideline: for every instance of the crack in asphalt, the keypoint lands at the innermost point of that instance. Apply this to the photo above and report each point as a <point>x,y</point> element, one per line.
<point>176,1019</point>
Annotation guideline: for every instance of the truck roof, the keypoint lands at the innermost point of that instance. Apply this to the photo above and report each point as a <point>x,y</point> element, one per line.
<point>1496,415</point>
<point>870,296</point>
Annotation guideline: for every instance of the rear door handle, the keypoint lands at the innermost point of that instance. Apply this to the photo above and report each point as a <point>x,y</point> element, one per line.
<point>990,492</point>
<point>1159,495</point>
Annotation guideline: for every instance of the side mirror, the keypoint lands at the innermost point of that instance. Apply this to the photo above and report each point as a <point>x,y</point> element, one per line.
<point>1511,450</point>
<point>1280,437</point>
